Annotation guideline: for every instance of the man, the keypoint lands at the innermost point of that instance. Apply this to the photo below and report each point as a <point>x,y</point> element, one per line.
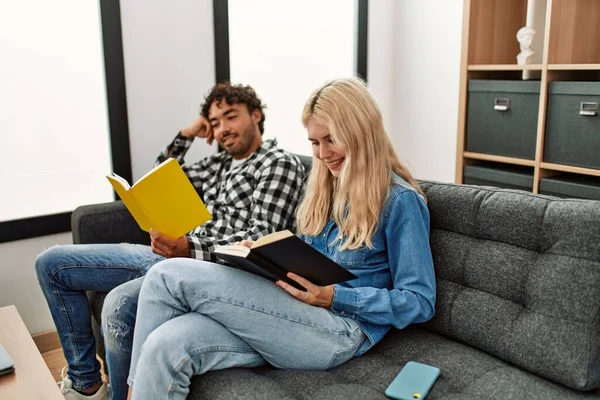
<point>250,189</point>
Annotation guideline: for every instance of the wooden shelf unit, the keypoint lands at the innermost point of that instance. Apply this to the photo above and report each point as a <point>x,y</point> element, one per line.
<point>571,51</point>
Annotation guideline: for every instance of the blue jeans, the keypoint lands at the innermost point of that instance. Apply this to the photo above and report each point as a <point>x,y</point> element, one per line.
<point>65,273</point>
<point>196,316</point>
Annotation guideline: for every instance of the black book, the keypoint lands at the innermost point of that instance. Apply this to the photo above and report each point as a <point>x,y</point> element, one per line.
<point>276,254</point>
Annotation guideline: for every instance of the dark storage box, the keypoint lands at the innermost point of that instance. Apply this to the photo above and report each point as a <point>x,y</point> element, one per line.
<point>502,117</point>
<point>571,185</point>
<point>573,124</point>
<point>499,175</point>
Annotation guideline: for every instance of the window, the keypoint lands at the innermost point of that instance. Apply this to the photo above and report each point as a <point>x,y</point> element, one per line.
<point>286,49</point>
<point>55,121</point>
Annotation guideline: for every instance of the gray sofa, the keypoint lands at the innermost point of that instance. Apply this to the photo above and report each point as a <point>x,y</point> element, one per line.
<point>517,315</point>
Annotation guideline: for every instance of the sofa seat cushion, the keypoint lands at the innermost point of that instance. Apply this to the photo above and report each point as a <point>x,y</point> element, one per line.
<point>466,373</point>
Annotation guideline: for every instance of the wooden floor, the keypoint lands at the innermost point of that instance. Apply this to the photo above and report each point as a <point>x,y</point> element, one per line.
<point>56,361</point>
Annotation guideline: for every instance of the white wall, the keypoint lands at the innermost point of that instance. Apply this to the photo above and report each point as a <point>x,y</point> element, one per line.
<point>18,283</point>
<point>380,58</point>
<point>426,73</point>
<point>169,67</point>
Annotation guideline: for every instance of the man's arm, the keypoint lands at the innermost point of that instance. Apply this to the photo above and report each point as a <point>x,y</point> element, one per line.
<point>200,127</point>
<point>274,201</point>
<point>177,149</point>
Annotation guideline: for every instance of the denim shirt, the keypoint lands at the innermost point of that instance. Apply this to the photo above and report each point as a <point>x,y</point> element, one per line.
<point>395,283</point>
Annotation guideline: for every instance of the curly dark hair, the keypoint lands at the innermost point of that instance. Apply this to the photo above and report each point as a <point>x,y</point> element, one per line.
<point>234,94</point>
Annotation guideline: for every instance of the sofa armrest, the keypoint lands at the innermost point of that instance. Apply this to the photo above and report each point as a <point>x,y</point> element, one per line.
<point>106,223</point>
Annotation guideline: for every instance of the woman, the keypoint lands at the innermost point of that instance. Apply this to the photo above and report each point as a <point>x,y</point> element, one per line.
<point>362,208</point>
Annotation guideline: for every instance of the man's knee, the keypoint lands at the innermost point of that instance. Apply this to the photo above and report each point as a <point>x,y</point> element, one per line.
<point>48,261</point>
<point>118,315</point>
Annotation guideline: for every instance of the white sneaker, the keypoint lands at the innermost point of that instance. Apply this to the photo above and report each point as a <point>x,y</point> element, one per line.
<point>66,388</point>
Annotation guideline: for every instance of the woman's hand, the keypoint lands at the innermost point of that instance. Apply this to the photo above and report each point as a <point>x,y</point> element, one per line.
<point>320,296</point>
<point>247,243</point>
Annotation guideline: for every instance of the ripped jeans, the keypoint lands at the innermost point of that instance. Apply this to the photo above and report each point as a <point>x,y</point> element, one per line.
<point>65,273</point>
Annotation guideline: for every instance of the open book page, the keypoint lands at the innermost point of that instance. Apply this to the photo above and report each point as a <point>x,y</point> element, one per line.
<point>272,237</point>
<point>233,249</point>
<point>122,181</point>
<point>242,251</point>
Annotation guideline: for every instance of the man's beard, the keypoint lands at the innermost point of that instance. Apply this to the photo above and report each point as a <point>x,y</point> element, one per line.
<point>241,146</point>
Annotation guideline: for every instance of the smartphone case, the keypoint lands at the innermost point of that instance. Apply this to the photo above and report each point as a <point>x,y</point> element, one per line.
<point>413,382</point>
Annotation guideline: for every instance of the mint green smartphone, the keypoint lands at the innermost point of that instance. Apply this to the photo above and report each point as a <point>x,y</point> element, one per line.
<point>413,382</point>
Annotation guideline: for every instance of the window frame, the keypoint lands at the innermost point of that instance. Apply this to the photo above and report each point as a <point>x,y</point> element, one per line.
<point>112,43</point>
<point>221,26</point>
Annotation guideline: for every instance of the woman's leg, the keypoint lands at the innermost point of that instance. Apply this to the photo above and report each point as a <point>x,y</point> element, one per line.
<point>118,320</point>
<point>190,344</point>
<point>286,332</point>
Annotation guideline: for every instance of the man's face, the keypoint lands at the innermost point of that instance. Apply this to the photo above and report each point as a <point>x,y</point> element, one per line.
<point>234,128</point>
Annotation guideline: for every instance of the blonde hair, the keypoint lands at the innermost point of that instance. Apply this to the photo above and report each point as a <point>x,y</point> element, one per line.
<point>354,200</point>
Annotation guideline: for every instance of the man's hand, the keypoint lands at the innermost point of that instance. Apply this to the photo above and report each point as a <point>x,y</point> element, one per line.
<point>199,128</point>
<point>167,247</point>
<point>320,296</point>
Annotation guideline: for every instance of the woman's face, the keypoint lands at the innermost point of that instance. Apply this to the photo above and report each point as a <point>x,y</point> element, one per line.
<point>324,149</point>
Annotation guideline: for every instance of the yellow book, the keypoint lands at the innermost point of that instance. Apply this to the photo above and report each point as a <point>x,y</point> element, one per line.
<point>163,200</point>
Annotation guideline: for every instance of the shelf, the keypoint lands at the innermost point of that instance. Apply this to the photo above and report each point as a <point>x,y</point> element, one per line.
<point>493,28</point>
<point>570,168</point>
<point>504,67</point>
<point>501,159</point>
<point>574,32</point>
<point>574,67</point>
<point>533,67</point>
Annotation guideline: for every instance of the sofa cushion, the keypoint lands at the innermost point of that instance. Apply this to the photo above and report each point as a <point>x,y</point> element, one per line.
<point>466,373</point>
<point>518,276</point>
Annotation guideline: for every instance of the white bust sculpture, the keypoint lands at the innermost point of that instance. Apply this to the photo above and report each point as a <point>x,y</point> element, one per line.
<point>525,38</point>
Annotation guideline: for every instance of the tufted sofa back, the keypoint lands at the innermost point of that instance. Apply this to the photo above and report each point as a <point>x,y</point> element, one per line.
<point>518,276</point>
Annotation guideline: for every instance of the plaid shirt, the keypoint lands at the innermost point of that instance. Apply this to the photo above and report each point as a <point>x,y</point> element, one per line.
<point>248,201</point>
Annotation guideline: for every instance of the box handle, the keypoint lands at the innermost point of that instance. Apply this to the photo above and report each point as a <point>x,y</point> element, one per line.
<point>501,104</point>
<point>588,108</point>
